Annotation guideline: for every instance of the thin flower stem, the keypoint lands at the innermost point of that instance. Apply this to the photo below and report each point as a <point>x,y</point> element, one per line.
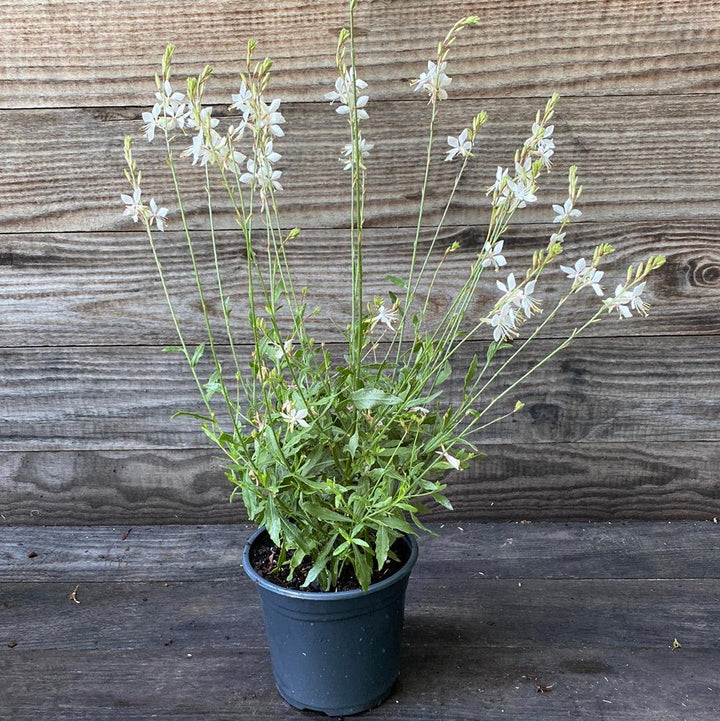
<point>561,346</point>
<point>196,273</point>
<point>173,315</point>
<point>421,210</point>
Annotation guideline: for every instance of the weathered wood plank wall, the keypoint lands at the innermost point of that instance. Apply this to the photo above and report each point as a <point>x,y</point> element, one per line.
<point>624,426</point>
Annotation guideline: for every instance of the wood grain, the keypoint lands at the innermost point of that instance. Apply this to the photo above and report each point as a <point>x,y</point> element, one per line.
<point>633,390</point>
<point>105,54</point>
<point>536,481</point>
<point>438,683</point>
<point>95,289</point>
<point>635,171</point>
<point>473,644</point>
<point>487,613</point>
<point>473,552</point>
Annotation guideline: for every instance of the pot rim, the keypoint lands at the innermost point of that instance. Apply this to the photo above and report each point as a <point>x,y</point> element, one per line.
<point>312,596</point>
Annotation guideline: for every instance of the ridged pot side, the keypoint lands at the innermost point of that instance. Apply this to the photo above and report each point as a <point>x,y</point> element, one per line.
<point>338,653</point>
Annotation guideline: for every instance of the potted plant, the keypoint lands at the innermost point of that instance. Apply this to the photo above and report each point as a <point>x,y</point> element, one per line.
<point>335,454</point>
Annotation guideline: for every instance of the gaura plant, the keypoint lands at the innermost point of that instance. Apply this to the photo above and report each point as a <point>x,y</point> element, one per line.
<point>338,454</point>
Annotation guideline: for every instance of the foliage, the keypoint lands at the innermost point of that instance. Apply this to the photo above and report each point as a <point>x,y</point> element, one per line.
<point>338,456</point>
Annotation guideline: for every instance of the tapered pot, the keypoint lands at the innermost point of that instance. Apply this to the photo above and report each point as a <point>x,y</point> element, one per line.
<point>338,653</point>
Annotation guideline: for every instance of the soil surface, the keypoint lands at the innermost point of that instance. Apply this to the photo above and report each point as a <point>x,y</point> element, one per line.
<point>264,555</point>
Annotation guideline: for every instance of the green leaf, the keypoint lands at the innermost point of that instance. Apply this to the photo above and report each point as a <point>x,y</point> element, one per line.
<point>398,523</point>
<point>443,501</point>
<point>353,443</point>
<point>199,416</point>
<point>366,398</point>
<point>172,349</point>
<point>399,282</point>
<point>272,521</point>
<point>321,562</point>
<point>443,374</point>
<point>471,372</point>
<point>363,569</point>
<point>197,355</point>
<point>382,546</point>
<point>323,513</point>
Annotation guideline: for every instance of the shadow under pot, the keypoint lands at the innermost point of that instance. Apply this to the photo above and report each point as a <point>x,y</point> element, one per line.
<point>334,652</point>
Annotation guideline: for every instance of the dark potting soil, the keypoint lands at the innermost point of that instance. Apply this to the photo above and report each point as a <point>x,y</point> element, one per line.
<point>264,556</point>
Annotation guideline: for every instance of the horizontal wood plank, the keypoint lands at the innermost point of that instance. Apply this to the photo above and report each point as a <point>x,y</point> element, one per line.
<point>517,481</point>
<point>102,54</point>
<point>632,390</point>
<point>94,289</point>
<point>472,643</point>
<point>471,551</point>
<point>485,613</point>
<point>77,172</point>
<point>437,683</point>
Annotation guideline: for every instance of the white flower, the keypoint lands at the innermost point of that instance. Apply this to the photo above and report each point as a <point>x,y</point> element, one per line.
<point>269,155</point>
<point>545,151</point>
<point>385,316</point>
<point>346,157</point>
<point>624,298</point>
<point>158,215</point>
<point>176,116</point>
<point>454,462</point>
<point>420,410</point>
<point>263,174</point>
<point>170,109</point>
<point>294,416</point>
<point>499,188</point>
<point>523,193</point>
<point>205,113</point>
<point>269,119</point>
<point>151,123</point>
<point>133,204</point>
<point>583,275</point>
<point>500,178</point>
<point>565,213</point>
<point>434,81</point>
<point>538,135</point>
<point>635,299</point>
<point>493,255</point>
<point>504,323</point>
<point>346,96</point>
<point>166,97</point>
<point>241,100</point>
<point>459,146</point>
<point>509,288</point>
<point>205,152</point>
<point>523,298</point>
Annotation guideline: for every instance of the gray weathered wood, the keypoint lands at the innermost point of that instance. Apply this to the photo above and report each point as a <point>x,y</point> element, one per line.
<point>473,644</point>
<point>438,682</point>
<point>537,481</point>
<point>106,53</point>
<point>633,389</point>
<point>92,289</point>
<point>463,550</point>
<point>485,613</point>
<point>619,164</point>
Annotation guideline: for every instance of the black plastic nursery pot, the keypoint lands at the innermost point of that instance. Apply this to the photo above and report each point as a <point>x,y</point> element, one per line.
<point>338,653</point>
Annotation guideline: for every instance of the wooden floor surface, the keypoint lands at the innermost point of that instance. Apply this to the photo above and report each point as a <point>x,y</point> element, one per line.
<point>167,627</point>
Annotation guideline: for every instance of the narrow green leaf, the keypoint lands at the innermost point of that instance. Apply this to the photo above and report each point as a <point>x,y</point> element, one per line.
<point>399,282</point>
<point>367,398</point>
<point>382,546</point>
<point>172,349</point>
<point>443,374</point>
<point>471,372</point>
<point>353,443</point>
<point>197,355</point>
